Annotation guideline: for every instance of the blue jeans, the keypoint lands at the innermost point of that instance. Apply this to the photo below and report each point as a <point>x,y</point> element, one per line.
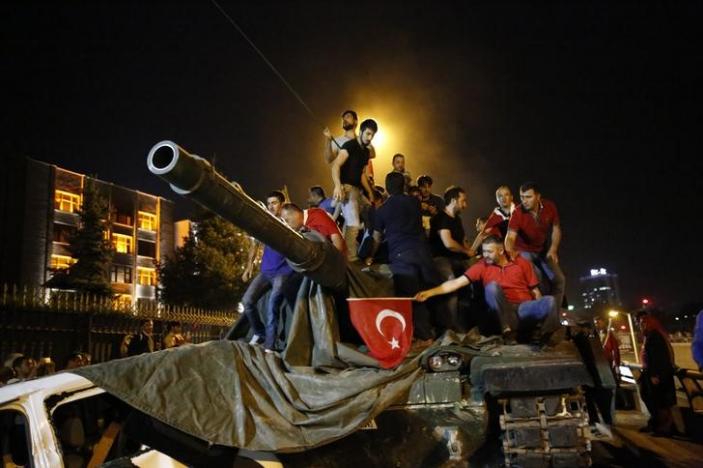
<point>551,278</point>
<point>414,270</point>
<point>281,287</point>
<point>542,310</point>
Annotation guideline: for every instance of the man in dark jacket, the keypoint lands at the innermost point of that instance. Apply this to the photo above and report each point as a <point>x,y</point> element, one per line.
<point>657,379</point>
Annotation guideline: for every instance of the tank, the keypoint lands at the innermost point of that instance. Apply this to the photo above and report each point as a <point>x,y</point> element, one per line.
<point>473,400</point>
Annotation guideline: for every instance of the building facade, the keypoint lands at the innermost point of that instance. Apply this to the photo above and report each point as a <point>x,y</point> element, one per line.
<point>600,291</point>
<point>39,203</point>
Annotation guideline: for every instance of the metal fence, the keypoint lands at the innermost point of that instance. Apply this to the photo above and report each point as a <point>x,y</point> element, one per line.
<point>41,322</point>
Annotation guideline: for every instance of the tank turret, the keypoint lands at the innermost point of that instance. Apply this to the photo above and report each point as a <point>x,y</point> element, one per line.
<point>194,177</point>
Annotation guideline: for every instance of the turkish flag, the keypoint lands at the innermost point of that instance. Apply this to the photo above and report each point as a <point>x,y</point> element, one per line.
<point>386,326</point>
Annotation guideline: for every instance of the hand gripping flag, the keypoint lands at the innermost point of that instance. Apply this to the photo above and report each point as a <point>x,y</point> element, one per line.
<point>386,326</point>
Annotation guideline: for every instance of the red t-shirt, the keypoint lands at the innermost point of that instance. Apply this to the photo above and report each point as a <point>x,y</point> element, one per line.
<point>319,220</point>
<point>516,278</point>
<point>497,224</point>
<point>533,233</point>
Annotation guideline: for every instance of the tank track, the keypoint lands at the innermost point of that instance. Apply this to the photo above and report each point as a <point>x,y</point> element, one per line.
<point>545,431</point>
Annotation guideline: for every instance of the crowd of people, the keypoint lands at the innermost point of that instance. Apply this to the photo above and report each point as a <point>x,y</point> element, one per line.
<point>420,236</point>
<point>18,367</point>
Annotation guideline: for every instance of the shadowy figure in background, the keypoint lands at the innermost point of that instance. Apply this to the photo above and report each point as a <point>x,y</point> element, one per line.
<point>657,378</point>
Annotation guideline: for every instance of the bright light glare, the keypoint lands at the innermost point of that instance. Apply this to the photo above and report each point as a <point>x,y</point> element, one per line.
<point>613,313</point>
<point>379,140</point>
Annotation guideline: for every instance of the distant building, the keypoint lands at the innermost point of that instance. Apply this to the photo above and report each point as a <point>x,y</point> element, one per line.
<point>38,211</point>
<point>600,290</point>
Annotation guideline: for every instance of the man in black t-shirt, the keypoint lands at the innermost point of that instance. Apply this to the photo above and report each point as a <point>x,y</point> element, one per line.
<point>447,236</point>
<point>430,204</point>
<point>351,180</point>
<point>450,247</point>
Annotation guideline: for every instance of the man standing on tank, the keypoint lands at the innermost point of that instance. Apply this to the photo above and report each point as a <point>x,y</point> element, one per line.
<point>350,177</point>
<point>398,219</point>
<point>275,275</point>
<point>534,231</point>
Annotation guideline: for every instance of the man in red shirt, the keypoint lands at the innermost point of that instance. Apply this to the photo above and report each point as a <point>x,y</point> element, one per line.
<point>534,231</point>
<point>497,222</point>
<point>510,290</point>
<point>315,219</point>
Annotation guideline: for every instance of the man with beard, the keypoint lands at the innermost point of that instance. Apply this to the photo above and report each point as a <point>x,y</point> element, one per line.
<point>534,231</point>
<point>399,166</point>
<point>350,177</point>
<point>275,275</point>
<point>510,291</point>
<point>430,204</point>
<point>497,222</point>
<point>334,144</point>
<point>447,236</point>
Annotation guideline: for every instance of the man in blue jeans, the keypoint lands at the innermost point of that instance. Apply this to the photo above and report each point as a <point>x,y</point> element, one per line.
<point>275,275</point>
<point>534,231</point>
<point>511,291</point>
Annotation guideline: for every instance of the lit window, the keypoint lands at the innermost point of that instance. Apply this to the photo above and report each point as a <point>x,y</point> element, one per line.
<point>122,243</point>
<point>66,201</point>
<point>147,221</point>
<point>60,262</point>
<point>146,276</point>
<point>123,300</point>
<point>121,274</point>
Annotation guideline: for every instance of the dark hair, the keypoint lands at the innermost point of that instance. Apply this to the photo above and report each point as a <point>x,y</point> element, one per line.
<point>642,313</point>
<point>395,183</point>
<point>318,190</point>
<point>74,355</point>
<point>277,194</point>
<point>171,325</point>
<point>17,362</point>
<point>451,193</point>
<point>529,186</point>
<point>398,155</point>
<point>424,180</point>
<point>492,240</point>
<point>291,207</point>
<point>144,322</point>
<point>483,219</point>
<point>377,194</point>
<point>353,114</point>
<point>370,124</point>
<point>413,189</point>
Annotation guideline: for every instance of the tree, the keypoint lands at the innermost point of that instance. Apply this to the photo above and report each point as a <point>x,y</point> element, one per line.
<point>206,271</point>
<point>93,253</point>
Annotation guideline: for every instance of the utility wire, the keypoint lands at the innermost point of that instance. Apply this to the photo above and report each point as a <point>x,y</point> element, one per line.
<point>273,68</point>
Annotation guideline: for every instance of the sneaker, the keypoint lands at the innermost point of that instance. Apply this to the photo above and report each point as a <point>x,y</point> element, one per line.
<point>255,339</point>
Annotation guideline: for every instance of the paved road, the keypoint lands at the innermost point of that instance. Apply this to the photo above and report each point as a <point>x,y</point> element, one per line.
<point>682,355</point>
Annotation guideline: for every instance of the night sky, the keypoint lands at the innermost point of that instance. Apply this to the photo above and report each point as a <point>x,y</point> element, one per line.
<point>598,102</point>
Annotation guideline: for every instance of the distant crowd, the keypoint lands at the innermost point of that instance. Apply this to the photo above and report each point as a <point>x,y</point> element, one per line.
<point>18,367</point>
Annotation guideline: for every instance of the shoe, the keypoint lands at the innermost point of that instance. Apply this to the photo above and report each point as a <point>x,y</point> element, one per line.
<point>420,345</point>
<point>255,339</point>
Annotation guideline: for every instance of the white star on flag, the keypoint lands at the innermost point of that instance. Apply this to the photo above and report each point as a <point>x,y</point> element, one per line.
<point>394,343</point>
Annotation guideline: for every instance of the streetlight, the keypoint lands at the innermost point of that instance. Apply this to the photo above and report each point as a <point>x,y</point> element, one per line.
<point>614,313</point>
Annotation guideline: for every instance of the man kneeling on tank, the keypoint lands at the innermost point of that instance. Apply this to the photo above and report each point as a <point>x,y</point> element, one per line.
<point>511,291</point>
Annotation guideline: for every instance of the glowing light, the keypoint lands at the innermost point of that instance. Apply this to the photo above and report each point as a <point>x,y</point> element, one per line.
<point>613,313</point>
<point>598,271</point>
<point>645,301</point>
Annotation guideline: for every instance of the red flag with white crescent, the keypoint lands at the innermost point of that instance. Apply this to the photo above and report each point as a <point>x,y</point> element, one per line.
<point>386,326</point>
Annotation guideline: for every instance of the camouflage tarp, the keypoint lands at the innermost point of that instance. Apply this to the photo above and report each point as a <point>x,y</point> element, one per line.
<point>232,394</point>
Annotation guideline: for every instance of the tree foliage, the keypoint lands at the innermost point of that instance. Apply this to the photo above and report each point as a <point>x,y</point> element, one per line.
<point>206,271</point>
<point>93,253</point>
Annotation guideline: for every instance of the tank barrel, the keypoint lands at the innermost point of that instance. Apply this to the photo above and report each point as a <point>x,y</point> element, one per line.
<point>193,177</point>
